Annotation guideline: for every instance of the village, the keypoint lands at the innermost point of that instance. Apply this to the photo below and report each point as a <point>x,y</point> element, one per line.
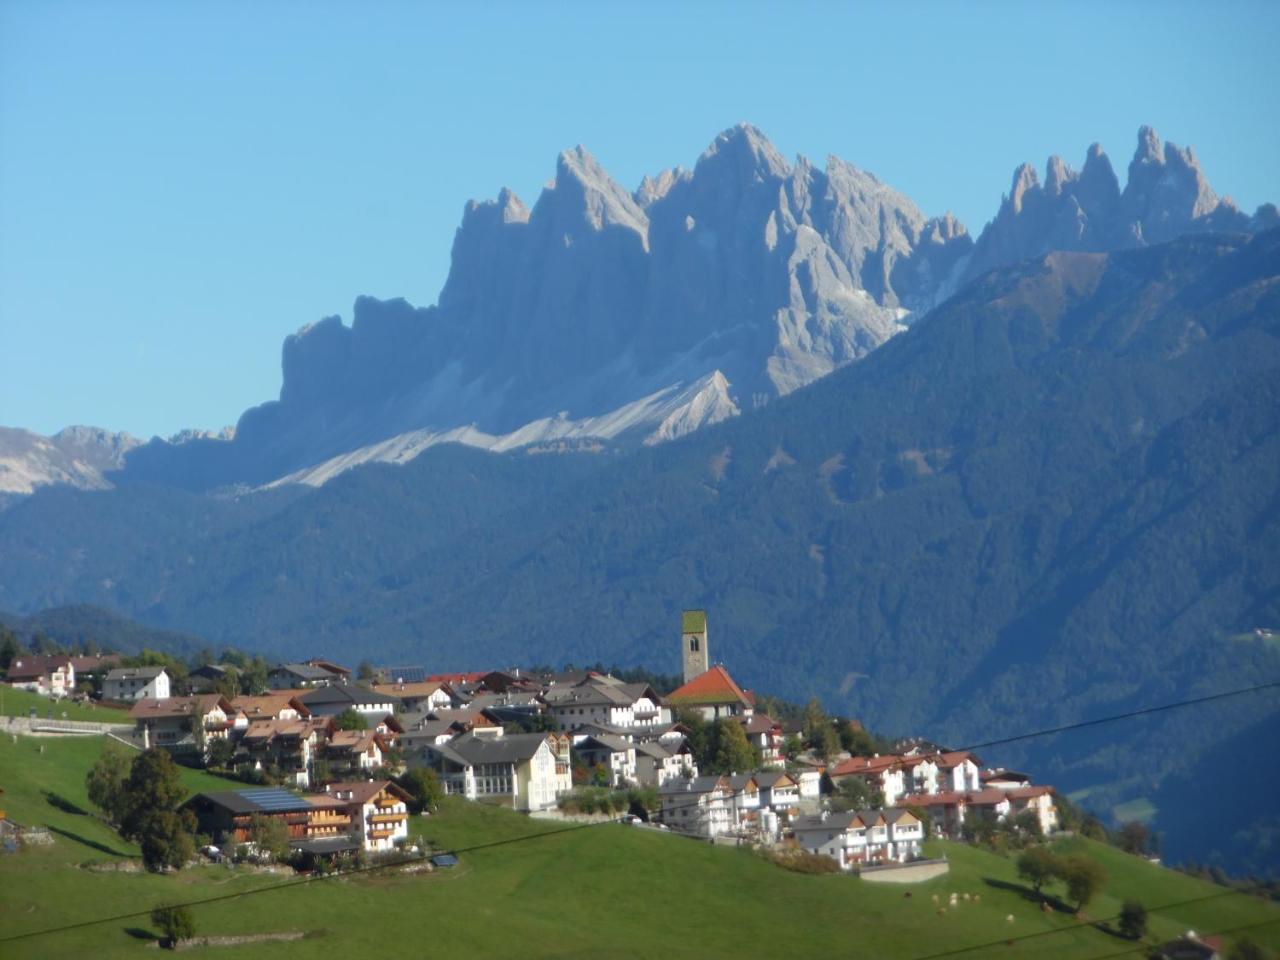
<point>322,753</point>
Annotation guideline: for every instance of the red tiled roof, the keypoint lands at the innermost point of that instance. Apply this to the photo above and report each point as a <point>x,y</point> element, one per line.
<point>472,677</point>
<point>1028,793</point>
<point>947,798</point>
<point>362,791</point>
<point>874,765</point>
<point>713,686</point>
<point>271,704</point>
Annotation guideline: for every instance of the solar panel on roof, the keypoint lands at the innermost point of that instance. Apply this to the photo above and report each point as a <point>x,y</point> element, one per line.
<point>272,798</point>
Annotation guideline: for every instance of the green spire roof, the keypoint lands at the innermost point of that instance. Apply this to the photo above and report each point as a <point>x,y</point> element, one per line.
<point>695,621</point>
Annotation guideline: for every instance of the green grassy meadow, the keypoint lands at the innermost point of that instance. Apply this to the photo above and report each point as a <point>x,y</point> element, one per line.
<point>19,703</point>
<point>605,891</point>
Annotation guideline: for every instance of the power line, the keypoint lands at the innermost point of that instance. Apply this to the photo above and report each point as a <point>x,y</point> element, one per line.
<point>1125,716</point>
<point>583,826</point>
<point>1226,931</point>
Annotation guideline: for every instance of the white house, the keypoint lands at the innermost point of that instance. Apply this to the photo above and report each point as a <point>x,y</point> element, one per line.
<point>702,806</point>
<point>136,683</point>
<point>658,761</point>
<point>332,699</point>
<point>378,809</point>
<point>528,771</point>
<point>605,700</point>
<point>861,837</point>
<point>615,754</point>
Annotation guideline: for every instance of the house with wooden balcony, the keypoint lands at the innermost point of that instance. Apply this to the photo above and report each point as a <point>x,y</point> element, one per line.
<point>378,811</point>
<point>227,815</point>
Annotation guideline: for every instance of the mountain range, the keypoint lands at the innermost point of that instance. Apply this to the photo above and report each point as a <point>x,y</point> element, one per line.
<point>1044,492</point>
<point>602,314</point>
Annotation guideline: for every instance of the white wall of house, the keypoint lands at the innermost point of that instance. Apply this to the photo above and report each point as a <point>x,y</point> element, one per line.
<point>137,688</point>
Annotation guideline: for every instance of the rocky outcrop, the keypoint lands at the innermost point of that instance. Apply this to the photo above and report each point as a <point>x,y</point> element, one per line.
<point>76,457</point>
<point>1166,196</point>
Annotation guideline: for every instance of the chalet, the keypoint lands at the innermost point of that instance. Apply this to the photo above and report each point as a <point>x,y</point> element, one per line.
<point>53,676</point>
<point>862,837</point>
<point>377,810</point>
<point>136,683</point>
<point>340,674</point>
<point>331,700</point>
<point>527,771</point>
<point>441,726</point>
<point>714,694</point>
<point>183,724</point>
<point>354,752</point>
<point>289,747</point>
<point>701,806</point>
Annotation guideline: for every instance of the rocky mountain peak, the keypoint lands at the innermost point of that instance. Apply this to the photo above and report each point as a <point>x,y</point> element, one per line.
<point>747,151</point>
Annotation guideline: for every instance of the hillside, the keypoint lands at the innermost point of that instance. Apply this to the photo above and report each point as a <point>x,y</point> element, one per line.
<point>549,893</point>
<point>1052,499</point>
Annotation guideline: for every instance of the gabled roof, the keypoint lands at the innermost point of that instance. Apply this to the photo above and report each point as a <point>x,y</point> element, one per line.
<point>92,663</point>
<point>304,671</point>
<point>271,704</point>
<point>135,673</point>
<point>610,742</point>
<point>362,791</point>
<point>424,688</point>
<point>758,723</point>
<point>694,786</point>
<point>349,694</point>
<point>257,800</point>
<point>469,749</point>
<point>153,709</point>
<point>473,677</point>
<point>712,686</point>
<point>774,778</point>
<point>329,667</point>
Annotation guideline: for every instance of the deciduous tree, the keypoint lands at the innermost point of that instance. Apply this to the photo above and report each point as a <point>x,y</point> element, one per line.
<point>1133,919</point>
<point>1038,865</point>
<point>1084,877</point>
<point>177,923</point>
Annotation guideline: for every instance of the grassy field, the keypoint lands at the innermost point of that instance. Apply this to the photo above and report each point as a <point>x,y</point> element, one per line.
<point>19,703</point>
<point>608,891</point>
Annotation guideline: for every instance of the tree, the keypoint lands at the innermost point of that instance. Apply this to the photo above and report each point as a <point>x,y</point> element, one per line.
<point>253,677</point>
<point>1038,865</point>
<point>1084,877</point>
<point>176,923</point>
<point>423,785</point>
<point>792,747</point>
<point>269,835</point>
<point>733,753</point>
<point>154,786</point>
<point>222,753</point>
<point>9,648</point>
<point>166,841</point>
<point>364,670</point>
<point>351,719</point>
<point>1027,823</point>
<point>855,793</point>
<point>106,781</point>
<point>1134,837</point>
<point>1133,919</point>
<point>856,740</point>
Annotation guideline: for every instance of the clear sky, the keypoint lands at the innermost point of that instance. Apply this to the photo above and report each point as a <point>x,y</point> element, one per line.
<point>182,185</point>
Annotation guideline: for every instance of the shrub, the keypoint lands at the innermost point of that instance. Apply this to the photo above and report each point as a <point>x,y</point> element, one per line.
<point>176,923</point>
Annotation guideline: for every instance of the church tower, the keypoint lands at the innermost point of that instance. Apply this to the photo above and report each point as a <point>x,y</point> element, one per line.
<point>693,643</point>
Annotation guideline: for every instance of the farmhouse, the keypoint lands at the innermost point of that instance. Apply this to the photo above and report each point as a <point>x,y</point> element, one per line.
<point>183,724</point>
<point>333,699</point>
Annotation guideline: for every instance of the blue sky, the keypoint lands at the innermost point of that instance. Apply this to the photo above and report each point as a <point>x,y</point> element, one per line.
<point>183,185</point>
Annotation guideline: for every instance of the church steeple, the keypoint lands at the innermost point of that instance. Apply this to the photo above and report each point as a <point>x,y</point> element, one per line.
<point>693,644</point>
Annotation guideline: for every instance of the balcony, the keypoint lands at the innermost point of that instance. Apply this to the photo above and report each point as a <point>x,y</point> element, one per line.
<point>388,818</point>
